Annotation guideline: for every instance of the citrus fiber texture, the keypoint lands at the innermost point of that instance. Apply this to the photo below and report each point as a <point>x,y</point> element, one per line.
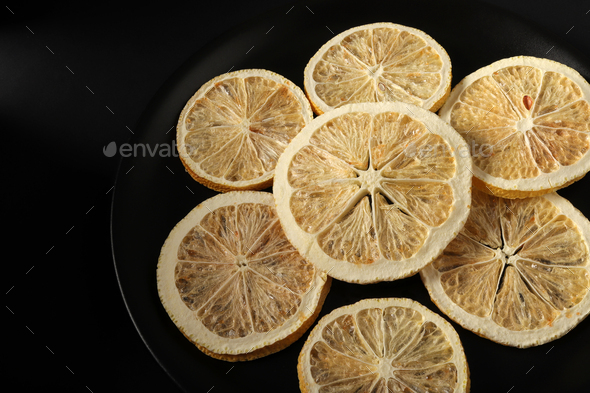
<point>519,271</point>
<point>232,131</point>
<point>374,191</point>
<point>383,345</point>
<point>378,62</point>
<point>527,121</point>
<point>231,281</point>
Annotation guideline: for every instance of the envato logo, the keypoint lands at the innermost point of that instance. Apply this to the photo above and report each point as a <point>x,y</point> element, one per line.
<point>141,150</point>
<point>412,150</point>
<point>442,149</point>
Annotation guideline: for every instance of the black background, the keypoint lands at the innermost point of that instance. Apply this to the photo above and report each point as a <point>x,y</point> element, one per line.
<point>73,79</point>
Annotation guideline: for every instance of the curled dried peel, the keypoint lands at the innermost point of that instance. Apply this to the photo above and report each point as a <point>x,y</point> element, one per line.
<point>362,190</point>
<point>530,288</point>
<point>379,62</point>
<point>232,131</point>
<point>527,121</point>
<point>379,344</point>
<point>232,282</point>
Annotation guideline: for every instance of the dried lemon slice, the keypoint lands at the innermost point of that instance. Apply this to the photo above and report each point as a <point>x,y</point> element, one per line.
<point>519,271</point>
<point>383,345</point>
<point>232,131</point>
<point>379,62</point>
<point>527,121</point>
<point>374,191</point>
<point>231,281</point>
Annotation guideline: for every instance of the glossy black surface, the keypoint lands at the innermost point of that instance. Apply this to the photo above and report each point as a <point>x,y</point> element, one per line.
<point>75,77</point>
<point>148,204</point>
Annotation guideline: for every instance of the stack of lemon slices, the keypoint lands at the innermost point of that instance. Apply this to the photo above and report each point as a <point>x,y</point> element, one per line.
<point>378,188</point>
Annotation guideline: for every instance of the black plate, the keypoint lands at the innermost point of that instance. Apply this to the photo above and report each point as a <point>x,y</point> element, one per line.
<point>148,204</point>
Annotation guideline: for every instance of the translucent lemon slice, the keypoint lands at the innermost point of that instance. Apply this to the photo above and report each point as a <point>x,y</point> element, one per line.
<point>232,131</point>
<point>379,62</point>
<point>383,345</point>
<point>527,122</point>
<point>231,281</point>
<point>375,191</point>
<point>519,271</point>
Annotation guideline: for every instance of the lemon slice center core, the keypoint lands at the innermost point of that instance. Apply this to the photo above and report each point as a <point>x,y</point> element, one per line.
<point>241,261</point>
<point>375,71</point>
<point>508,255</point>
<point>511,259</point>
<point>245,125</point>
<point>524,124</point>
<point>385,368</point>
<point>369,179</point>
